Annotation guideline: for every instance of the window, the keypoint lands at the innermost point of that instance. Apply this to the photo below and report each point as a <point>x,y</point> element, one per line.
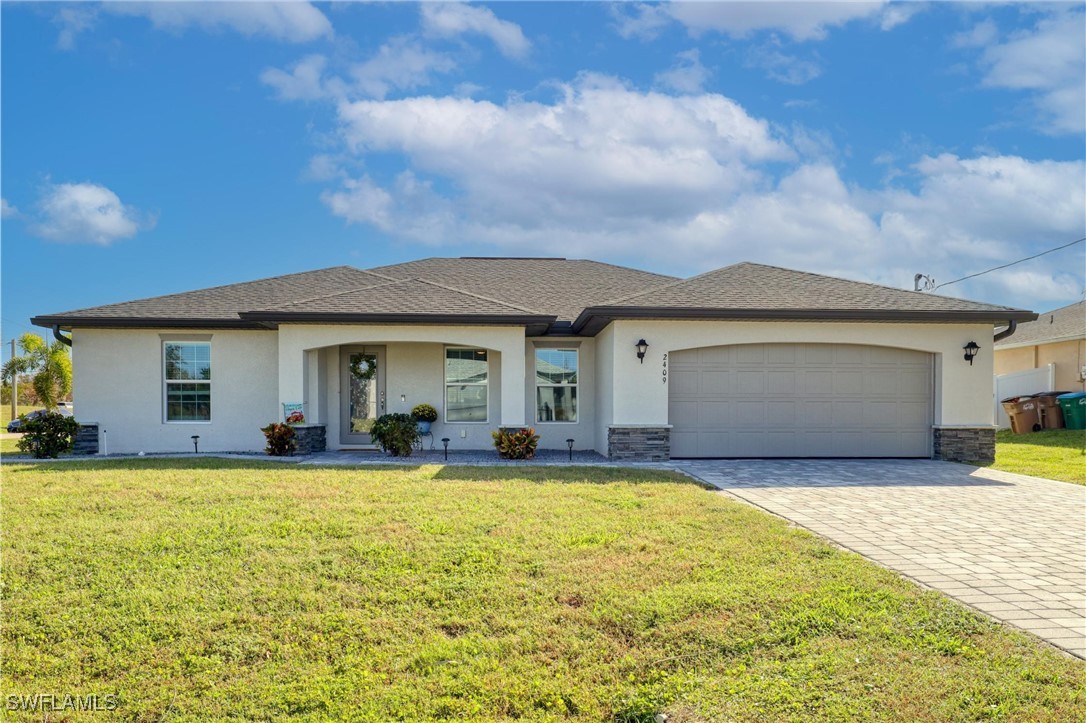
<point>187,376</point>
<point>466,373</point>
<point>556,385</point>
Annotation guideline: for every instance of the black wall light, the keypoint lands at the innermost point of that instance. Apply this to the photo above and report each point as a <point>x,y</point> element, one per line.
<point>971,350</point>
<point>642,347</point>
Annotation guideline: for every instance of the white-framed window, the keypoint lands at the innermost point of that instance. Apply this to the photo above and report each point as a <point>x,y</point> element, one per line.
<point>556,385</point>
<point>186,381</point>
<point>467,374</point>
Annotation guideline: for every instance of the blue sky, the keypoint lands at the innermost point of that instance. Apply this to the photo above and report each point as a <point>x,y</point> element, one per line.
<point>149,148</point>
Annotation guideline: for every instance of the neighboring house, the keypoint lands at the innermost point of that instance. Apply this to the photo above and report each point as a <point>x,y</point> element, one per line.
<point>744,361</point>
<point>1056,337</point>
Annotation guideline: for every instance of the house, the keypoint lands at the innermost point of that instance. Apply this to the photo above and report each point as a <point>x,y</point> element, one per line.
<point>745,361</point>
<point>1056,337</point>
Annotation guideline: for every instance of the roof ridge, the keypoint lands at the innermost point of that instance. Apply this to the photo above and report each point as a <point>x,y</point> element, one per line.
<point>1063,308</point>
<point>477,296</point>
<point>661,287</point>
<point>389,282</point>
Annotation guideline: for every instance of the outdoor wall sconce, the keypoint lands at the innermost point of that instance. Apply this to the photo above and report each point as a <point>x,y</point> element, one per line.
<point>642,347</point>
<point>569,443</point>
<point>445,441</point>
<point>971,350</point>
<point>196,444</point>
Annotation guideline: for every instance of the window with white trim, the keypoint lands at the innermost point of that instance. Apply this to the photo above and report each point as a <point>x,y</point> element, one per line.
<point>187,381</point>
<point>466,385</point>
<point>556,385</point>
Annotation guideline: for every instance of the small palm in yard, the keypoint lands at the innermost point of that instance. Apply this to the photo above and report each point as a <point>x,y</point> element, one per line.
<point>50,367</point>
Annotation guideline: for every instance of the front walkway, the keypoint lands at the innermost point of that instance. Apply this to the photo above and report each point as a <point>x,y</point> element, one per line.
<point>1011,546</point>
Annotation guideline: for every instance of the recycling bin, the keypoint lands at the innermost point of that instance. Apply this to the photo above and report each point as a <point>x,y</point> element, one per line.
<point>1048,409</point>
<point>1023,413</point>
<point>1074,409</point>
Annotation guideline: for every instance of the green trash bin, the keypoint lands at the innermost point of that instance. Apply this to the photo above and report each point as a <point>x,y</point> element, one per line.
<point>1074,410</point>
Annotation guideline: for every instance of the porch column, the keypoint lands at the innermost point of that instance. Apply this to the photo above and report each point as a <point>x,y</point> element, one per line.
<point>513,381</point>
<point>292,372</point>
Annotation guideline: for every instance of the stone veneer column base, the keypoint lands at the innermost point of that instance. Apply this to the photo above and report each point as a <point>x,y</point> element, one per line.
<point>86,439</point>
<point>964,444</point>
<point>639,443</point>
<point>310,438</point>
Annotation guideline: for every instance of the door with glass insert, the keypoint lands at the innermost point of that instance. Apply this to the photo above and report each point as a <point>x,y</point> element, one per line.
<point>362,392</point>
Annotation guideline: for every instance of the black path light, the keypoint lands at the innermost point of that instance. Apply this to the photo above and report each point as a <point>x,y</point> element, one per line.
<point>971,350</point>
<point>569,443</point>
<point>445,442</point>
<point>196,443</point>
<point>642,347</point>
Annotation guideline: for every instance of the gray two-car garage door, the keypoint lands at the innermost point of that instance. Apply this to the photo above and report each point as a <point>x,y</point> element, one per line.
<point>800,400</point>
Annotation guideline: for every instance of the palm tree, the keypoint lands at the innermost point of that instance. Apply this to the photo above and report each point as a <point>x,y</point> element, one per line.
<point>50,365</point>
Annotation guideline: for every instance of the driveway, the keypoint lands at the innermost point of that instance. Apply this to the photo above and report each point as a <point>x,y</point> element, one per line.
<point>1011,546</point>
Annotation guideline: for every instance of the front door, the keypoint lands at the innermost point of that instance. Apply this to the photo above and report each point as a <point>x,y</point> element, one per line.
<point>362,392</point>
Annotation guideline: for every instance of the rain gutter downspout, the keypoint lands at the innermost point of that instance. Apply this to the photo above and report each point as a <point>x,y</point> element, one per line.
<point>60,337</point>
<point>1011,326</point>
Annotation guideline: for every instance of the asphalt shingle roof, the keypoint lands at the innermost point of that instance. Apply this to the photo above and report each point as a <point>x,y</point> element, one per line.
<point>555,287</point>
<point>222,303</point>
<point>748,286</point>
<point>531,291</point>
<point>1068,322</point>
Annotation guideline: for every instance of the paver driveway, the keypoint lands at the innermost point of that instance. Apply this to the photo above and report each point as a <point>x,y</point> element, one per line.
<point>1009,545</point>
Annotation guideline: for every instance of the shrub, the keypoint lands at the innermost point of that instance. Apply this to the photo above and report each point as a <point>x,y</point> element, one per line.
<point>48,435</point>
<point>281,442</point>
<point>424,413</point>
<point>516,443</point>
<point>395,433</point>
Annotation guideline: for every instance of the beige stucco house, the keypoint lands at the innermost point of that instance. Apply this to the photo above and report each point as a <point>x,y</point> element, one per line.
<point>745,361</point>
<point>1057,337</point>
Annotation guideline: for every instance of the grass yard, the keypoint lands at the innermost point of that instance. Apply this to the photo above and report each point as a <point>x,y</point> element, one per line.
<point>208,589</point>
<point>7,446</point>
<point>1053,453</point>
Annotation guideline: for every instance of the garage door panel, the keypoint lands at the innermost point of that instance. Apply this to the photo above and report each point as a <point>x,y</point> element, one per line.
<point>780,382</point>
<point>715,382</point>
<point>800,400</point>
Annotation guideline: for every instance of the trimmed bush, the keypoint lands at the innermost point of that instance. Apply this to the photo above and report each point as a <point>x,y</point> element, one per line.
<point>48,435</point>
<point>516,443</point>
<point>281,442</point>
<point>396,434</point>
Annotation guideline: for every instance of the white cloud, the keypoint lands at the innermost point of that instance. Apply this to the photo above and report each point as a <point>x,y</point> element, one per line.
<point>802,21</point>
<point>86,213</point>
<point>72,22</point>
<point>303,82</point>
<point>983,33</point>
<point>640,20</point>
<point>294,22</point>
<point>780,66</point>
<point>688,75</point>
<point>400,64</point>
<point>1050,60</point>
<point>448,20</point>
<point>602,149</point>
<point>7,210</point>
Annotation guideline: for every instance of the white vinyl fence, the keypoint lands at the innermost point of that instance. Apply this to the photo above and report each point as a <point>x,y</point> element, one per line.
<point>1031,381</point>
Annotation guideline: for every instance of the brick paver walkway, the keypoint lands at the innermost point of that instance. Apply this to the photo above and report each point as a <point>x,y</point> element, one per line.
<point>1011,546</point>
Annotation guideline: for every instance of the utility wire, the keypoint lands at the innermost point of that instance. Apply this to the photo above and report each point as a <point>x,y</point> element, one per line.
<point>997,268</point>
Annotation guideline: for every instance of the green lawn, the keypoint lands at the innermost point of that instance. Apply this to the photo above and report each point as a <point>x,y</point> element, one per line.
<point>7,446</point>
<point>207,589</point>
<point>1052,453</point>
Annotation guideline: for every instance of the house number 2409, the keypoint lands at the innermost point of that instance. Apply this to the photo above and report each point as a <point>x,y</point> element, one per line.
<point>665,369</point>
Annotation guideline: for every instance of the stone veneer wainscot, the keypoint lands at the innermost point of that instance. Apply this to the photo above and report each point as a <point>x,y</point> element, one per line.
<point>964,444</point>
<point>640,443</point>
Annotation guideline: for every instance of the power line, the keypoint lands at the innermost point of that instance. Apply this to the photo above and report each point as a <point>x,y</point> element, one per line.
<point>997,268</point>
